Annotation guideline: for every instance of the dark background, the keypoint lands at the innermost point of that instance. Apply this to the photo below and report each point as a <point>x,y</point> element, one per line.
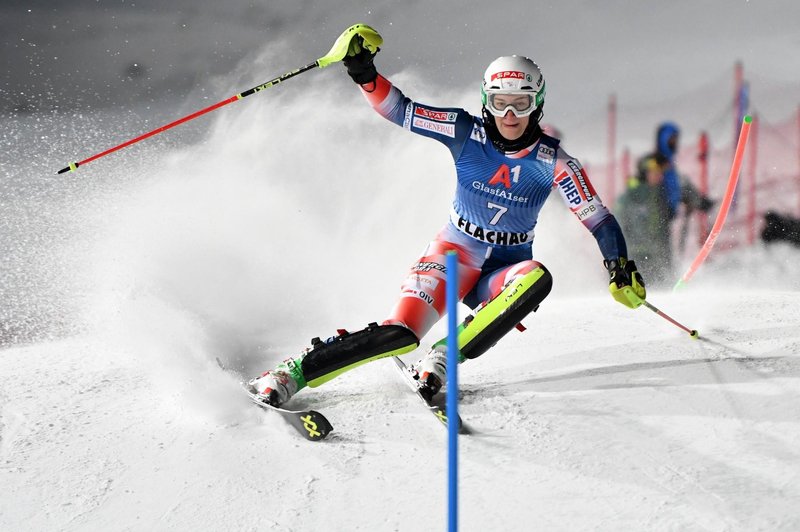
<point>82,54</point>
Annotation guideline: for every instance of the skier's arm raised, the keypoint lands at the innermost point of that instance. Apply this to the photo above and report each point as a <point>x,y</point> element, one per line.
<point>450,126</point>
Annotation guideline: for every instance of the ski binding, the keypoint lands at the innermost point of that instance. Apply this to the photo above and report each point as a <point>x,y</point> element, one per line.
<point>436,404</point>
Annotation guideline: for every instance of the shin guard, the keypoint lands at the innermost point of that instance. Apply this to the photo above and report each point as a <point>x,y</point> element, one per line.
<point>329,359</point>
<point>493,320</point>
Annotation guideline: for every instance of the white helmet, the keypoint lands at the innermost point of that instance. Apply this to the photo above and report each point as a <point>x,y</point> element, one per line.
<point>512,75</point>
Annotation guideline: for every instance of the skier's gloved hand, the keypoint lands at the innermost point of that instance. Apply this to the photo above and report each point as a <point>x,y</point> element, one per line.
<point>359,61</point>
<point>626,283</point>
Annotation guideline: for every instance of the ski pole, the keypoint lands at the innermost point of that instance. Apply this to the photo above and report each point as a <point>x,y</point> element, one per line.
<point>371,40</point>
<point>726,204</point>
<point>692,332</point>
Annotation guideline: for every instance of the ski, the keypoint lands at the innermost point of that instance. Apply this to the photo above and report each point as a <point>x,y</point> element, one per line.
<point>312,425</point>
<point>435,405</point>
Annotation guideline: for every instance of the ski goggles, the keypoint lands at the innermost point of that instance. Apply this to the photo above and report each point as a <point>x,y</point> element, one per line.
<point>519,103</point>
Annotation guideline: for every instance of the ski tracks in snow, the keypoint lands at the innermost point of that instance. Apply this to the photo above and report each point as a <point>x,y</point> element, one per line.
<point>51,425</point>
<point>665,433</point>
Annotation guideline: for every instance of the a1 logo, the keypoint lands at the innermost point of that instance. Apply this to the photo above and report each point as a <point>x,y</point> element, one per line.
<point>505,176</point>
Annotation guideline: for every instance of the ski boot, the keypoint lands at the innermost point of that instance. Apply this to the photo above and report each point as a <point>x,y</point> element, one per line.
<point>278,385</point>
<point>431,371</point>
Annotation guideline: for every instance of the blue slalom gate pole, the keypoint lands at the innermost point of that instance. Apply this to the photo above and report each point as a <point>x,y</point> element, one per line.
<point>452,388</point>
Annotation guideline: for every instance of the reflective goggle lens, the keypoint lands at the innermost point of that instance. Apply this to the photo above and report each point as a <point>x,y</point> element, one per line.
<point>519,104</point>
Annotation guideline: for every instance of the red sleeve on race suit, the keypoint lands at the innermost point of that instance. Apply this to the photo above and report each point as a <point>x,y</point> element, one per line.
<point>386,99</point>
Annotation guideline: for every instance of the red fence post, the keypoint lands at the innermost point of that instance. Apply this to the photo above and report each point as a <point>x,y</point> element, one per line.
<point>626,167</point>
<point>702,156</point>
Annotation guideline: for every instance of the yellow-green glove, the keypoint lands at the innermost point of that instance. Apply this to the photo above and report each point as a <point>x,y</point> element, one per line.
<point>353,40</point>
<point>625,282</point>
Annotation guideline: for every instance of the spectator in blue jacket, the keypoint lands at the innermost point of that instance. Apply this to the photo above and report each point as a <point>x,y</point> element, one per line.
<point>667,137</point>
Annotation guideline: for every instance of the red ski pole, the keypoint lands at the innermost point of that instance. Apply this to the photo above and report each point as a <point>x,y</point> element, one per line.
<point>201,112</point>
<point>692,332</point>
<point>371,40</point>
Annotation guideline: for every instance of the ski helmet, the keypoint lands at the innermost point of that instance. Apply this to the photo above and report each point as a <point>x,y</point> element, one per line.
<point>512,75</point>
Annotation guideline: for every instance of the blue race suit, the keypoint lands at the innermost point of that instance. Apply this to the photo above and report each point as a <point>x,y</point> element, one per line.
<point>497,202</point>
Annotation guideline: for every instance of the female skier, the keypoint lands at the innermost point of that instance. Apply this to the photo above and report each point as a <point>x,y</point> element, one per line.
<point>506,167</point>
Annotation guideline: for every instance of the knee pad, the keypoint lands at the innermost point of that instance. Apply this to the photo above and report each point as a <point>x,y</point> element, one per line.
<point>501,314</point>
<point>329,359</point>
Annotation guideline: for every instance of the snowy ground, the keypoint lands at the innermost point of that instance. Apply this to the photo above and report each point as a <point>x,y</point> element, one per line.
<point>598,418</point>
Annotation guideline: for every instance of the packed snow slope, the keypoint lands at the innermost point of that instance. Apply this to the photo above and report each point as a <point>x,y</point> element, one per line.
<point>596,418</point>
<point>124,281</point>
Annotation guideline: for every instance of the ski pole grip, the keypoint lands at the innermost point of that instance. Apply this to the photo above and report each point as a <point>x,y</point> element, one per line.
<point>72,167</point>
<point>371,39</point>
